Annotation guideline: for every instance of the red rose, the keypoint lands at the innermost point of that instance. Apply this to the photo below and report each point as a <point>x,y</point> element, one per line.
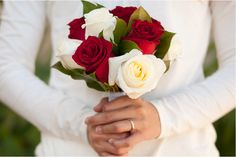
<point>123,12</point>
<point>146,35</point>
<point>93,55</point>
<point>147,47</point>
<point>150,31</point>
<point>76,31</point>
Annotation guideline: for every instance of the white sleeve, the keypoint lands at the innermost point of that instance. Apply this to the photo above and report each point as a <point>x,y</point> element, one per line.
<point>50,110</point>
<point>205,102</point>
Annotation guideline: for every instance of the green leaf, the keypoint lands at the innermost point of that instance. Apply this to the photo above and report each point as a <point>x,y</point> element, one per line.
<point>115,49</point>
<point>90,79</point>
<point>100,34</point>
<point>139,14</point>
<point>88,6</point>
<point>167,63</point>
<point>126,46</point>
<point>120,30</point>
<point>59,67</point>
<point>80,74</point>
<point>164,45</point>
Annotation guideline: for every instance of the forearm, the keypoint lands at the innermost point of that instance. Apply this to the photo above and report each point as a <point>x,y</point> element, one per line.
<point>197,105</point>
<point>51,110</point>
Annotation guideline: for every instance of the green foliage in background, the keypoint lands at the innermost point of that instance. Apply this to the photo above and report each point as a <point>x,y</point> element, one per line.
<point>18,137</point>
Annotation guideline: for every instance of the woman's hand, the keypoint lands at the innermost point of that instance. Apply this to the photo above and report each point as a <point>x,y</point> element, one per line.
<point>100,143</point>
<point>117,117</point>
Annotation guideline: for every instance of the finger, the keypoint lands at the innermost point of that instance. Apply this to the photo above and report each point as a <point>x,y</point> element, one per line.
<point>104,146</point>
<point>99,107</point>
<point>106,137</point>
<point>106,154</point>
<point>112,155</point>
<point>93,136</point>
<point>112,116</point>
<point>119,136</point>
<point>116,127</point>
<point>117,103</point>
<point>127,142</point>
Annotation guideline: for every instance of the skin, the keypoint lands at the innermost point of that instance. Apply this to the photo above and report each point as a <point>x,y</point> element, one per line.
<point>113,118</point>
<point>100,142</point>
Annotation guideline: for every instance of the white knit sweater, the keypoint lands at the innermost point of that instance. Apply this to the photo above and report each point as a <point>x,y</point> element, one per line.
<point>187,102</point>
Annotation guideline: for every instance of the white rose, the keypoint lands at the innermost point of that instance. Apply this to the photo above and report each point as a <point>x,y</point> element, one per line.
<point>65,51</point>
<point>175,49</point>
<point>135,73</point>
<point>99,20</point>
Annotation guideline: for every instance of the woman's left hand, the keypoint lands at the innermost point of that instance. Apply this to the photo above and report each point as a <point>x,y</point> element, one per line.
<point>118,115</point>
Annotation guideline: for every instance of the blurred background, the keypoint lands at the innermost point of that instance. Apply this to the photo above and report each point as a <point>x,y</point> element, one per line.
<point>18,137</point>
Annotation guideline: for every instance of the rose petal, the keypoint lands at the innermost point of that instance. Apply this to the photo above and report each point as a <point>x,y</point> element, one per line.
<point>76,31</point>
<point>156,71</point>
<point>150,31</point>
<point>97,21</point>
<point>147,47</point>
<point>123,12</point>
<point>115,62</point>
<point>65,51</point>
<point>93,54</point>
<point>102,72</point>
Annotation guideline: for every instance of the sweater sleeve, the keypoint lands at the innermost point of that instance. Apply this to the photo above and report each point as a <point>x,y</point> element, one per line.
<point>206,101</point>
<point>50,110</point>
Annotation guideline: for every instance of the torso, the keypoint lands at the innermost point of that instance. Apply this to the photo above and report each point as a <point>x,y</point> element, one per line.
<point>191,20</point>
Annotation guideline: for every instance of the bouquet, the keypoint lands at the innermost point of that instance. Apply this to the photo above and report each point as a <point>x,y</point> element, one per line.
<point>118,50</point>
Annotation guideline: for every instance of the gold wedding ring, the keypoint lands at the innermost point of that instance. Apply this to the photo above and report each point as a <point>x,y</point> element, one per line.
<point>132,125</point>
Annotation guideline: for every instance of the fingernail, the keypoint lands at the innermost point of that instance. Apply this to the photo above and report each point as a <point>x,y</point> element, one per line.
<point>111,141</point>
<point>98,129</point>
